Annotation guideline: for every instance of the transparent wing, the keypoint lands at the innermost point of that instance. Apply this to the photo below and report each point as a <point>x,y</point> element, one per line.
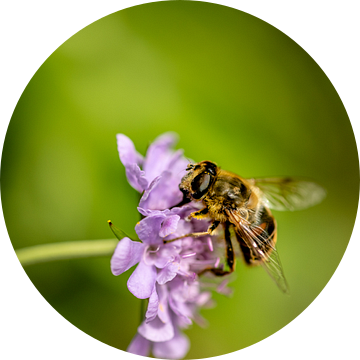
<point>262,248</point>
<point>266,254</point>
<point>289,193</point>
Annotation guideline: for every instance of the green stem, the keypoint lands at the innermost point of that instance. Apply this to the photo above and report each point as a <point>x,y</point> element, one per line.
<point>65,250</point>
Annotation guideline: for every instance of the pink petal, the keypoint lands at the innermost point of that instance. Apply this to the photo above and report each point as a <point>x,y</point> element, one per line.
<point>147,192</point>
<point>168,273</point>
<point>153,305</point>
<point>139,346</point>
<point>156,330</point>
<point>169,225</point>
<point>127,254</point>
<point>142,281</point>
<point>182,310</point>
<point>136,177</point>
<point>131,159</point>
<point>176,348</point>
<point>128,154</point>
<point>148,229</point>
<point>164,194</point>
<point>163,311</point>
<point>159,155</point>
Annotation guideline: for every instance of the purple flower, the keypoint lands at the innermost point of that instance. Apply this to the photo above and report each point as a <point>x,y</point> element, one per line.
<point>158,174</point>
<point>166,273</point>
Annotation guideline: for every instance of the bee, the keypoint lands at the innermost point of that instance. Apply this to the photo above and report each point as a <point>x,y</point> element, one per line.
<point>244,205</point>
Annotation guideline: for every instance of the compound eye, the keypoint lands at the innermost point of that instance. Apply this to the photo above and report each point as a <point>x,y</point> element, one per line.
<point>211,168</point>
<point>200,185</point>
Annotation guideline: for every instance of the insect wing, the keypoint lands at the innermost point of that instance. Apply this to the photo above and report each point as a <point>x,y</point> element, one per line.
<point>289,193</point>
<point>267,254</point>
<point>274,268</point>
<point>262,248</point>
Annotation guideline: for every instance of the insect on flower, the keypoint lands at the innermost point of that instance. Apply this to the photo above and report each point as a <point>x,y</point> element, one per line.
<point>244,205</point>
<point>174,248</point>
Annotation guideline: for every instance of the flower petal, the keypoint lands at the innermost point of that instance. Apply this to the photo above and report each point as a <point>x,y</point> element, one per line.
<point>159,154</point>
<point>131,159</point>
<point>147,192</point>
<point>139,346</point>
<point>153,305</point>
<point>148,212</point>
<point>156,330</point>
<point>176,348</point>
<point>181,309</point>
<point>142,281</point>
<point>127,253</point>
<point>128,154</point>
<point>168,273</point>
<point>169,225</point>
<point>166,254</point>
<point>136,177</point>
<point>178,164</point>
<point>148,229</point>
<point>164,195</point>
<point>163,311</point>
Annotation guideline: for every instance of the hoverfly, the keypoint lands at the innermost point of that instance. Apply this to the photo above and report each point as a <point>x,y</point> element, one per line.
<point>244,205</point>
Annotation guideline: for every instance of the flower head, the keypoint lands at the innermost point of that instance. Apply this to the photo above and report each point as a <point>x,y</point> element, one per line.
<point>157,175</point>
<point>166,273</point>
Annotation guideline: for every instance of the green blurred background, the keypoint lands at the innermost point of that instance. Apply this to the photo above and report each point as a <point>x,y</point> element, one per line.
<point>238,92</point>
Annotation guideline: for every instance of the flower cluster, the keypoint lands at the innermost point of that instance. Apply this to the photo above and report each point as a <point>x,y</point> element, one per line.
<point>166,273</point>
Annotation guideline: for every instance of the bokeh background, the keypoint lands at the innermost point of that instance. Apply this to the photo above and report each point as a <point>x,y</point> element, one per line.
<point>238,92</point>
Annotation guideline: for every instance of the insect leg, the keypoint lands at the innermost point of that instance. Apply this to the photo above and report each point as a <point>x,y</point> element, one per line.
<point>248,256</point>
<point>230,259</point>
<point>229,249</point>
<point>198,214</point>
<point>209,231</point>
<point>184,201</point>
